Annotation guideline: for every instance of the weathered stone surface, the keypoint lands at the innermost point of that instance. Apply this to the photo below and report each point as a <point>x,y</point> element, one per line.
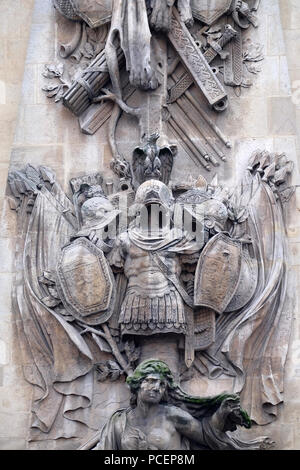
<point>3,352</point>
<point>281,116</point>
<point>15,399</point>
<point>13,424</point>
<point>12,444</point>
<point>7,261</point>
<point>292,36</point>
<point>276,45</point>
<point>48,135</point>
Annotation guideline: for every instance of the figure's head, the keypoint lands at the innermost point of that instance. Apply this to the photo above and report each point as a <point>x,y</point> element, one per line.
<point>150,382</point>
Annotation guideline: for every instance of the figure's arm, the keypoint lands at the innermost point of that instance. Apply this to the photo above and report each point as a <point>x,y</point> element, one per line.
<point>109,437</point>
<point>117,256</point>
<point>186,424</point>
<point>229,415</point>
<point>226,418</point>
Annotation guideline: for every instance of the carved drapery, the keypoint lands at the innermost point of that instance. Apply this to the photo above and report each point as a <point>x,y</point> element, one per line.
<point>97,280</point>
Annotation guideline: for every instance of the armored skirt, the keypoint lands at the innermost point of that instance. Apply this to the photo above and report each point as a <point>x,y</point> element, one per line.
<point>150,315</point>
<point>151,303</point>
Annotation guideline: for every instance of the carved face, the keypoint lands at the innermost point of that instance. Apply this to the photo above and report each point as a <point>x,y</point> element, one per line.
<point>152,389</point>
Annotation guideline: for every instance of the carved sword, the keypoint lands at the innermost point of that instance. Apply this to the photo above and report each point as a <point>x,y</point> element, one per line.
<point>194,61</point>
<point>208,56</point>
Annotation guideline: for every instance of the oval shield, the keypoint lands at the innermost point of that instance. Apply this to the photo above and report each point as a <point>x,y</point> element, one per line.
<point>209,11</point>
<point>85,282</point>
<point>247,283</point>
<point>218,273</point>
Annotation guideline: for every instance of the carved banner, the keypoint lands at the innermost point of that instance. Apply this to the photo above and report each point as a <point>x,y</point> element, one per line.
<point>184,83</point>
<point>233,65</point>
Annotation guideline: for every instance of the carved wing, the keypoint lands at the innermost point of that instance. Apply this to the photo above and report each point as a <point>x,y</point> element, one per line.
<point>138,164</point>
<point>166,156</point>
<point>159,165</point>
<point>252,342</point>
<point>56,359</point>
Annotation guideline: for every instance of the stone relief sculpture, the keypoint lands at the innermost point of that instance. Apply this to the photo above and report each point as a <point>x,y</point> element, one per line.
<point>199,295</point>
<point>193,46</point>
<point>186,277</point>
<point>162,416</point>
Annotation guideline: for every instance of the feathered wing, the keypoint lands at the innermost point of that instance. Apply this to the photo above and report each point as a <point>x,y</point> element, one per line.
<point>252,343</point>
<point>56,360</point>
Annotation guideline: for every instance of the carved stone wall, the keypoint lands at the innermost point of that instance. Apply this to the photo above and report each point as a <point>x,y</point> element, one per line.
<point>15,392</point>
<point>265,116</point>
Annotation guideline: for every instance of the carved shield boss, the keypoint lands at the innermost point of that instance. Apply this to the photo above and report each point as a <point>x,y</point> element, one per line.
<point>85,282</point>
<point>209,11</point>
<point>218,273</point>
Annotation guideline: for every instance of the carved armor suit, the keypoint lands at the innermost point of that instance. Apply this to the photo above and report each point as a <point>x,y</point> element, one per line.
<point>152,304</point>
<point>153,301</point>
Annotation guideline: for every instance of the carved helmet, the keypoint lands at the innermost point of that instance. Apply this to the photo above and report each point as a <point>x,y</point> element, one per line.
<point>154,192</point>
<point>205,208</point>
<point>215,214</point>
<point>96,212</point>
